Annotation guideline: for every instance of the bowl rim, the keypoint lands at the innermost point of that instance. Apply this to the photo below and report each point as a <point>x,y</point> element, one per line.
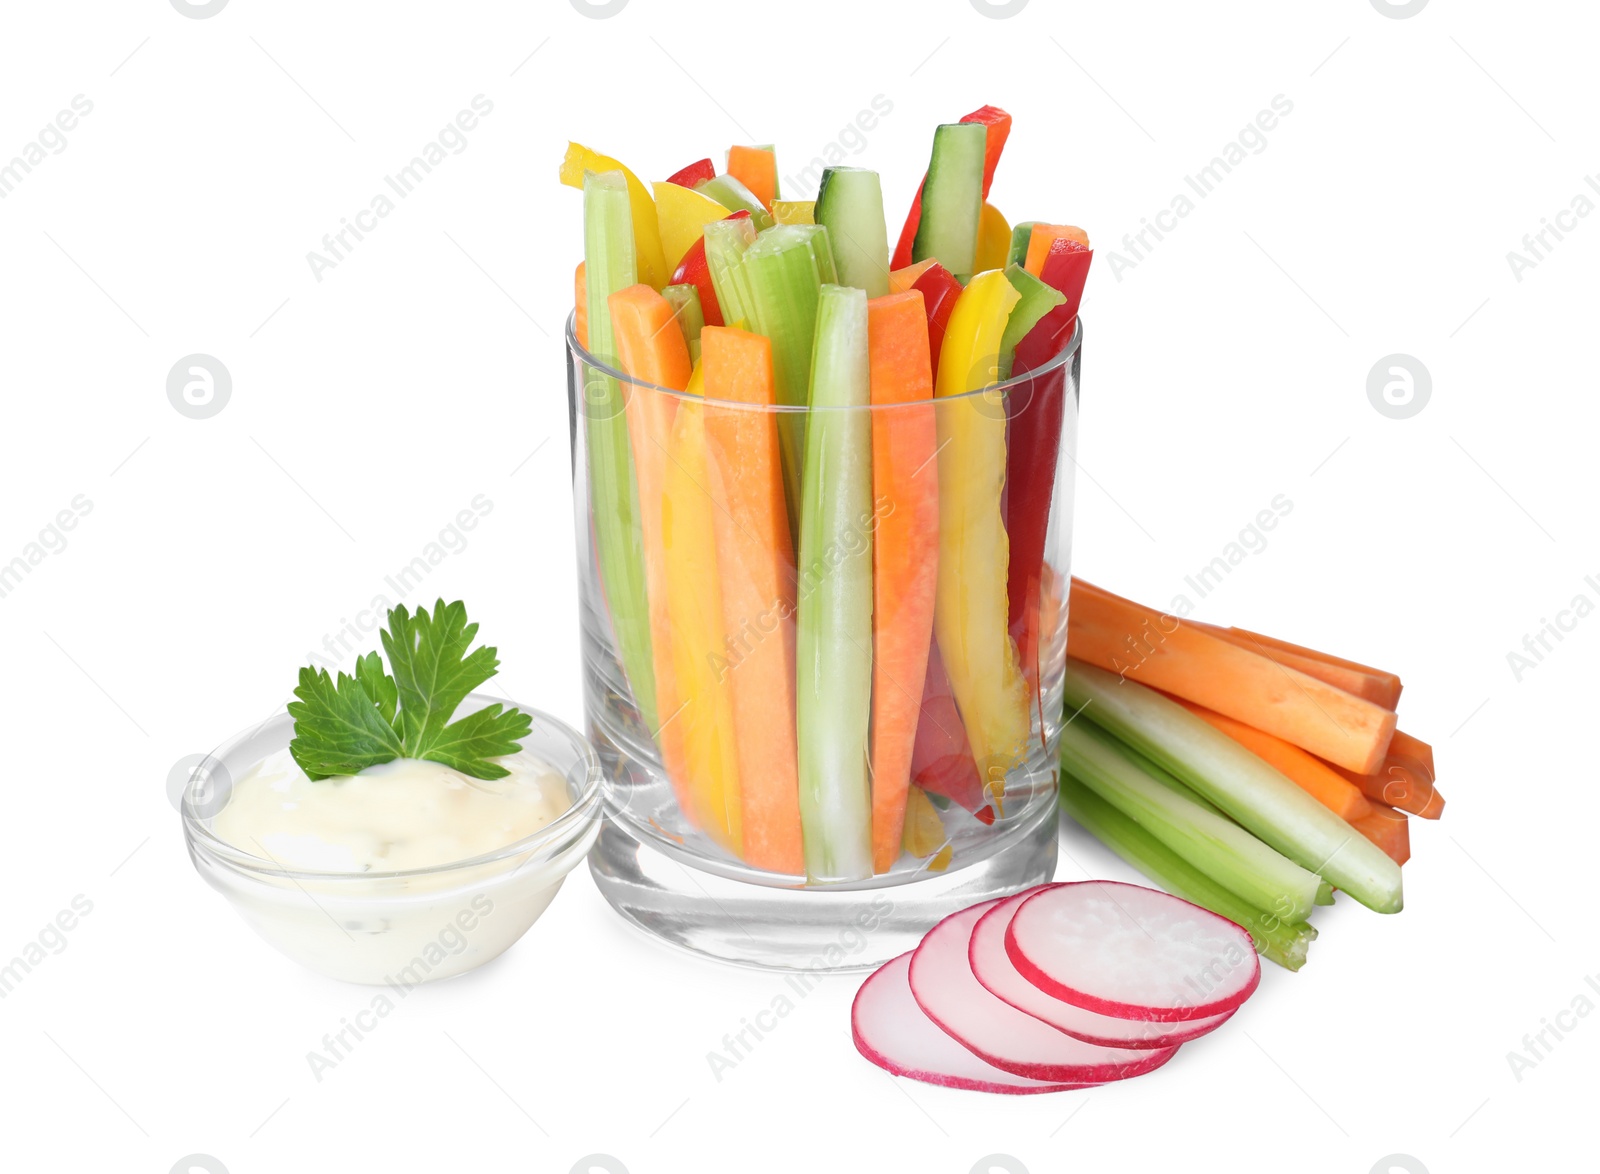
<point>566,829</point>
<point>576,350</point>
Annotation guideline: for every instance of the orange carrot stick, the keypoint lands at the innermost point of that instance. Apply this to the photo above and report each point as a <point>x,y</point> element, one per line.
<point>905,551</point>
<point>757,169</point>
<point>1163,653</point>
<point>755,562</point>
<point>1405,746</point>
<point>1388,829</point>
<point>1401,782</point>
<point>1377,686</point>
<point>580,297</point>
<point>694,603</point>
<point>651,349</point>
<point>1310,774</point>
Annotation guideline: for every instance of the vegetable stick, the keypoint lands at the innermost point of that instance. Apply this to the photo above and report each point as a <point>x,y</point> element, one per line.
<point>683,214</point>
<point>834,623</point>
<point>694,603</point>
<point>580,306</point>
<point>1255,794</point>
<point>652,350</point>
<point>608,236</point>
<point>940,292</point>
<point>652,265</point>
<point>850,205</point>
<point>901,280</point>
<point>755,563</point>
<point>1043,236</point>
<point>1275,939</point>
<point>1163,653</point>
<point>1313,776</point>
<point>1021,234</point>
<point>905,551</point>
<point>695,270</point>
<point>1211,842</point>
<point>970,611</point>
<point>730,193</point>
<point>941,760</point>
<point>1402,783</point>
<point>726,243</point>
<point>1405,746</point>
<point>1375,685</point>
<point>1389,829</point>
<point>997,126</point>
<point>1038,299</point>
<point>952,198</point>
<point>757,169</point>
<point>994,239</point>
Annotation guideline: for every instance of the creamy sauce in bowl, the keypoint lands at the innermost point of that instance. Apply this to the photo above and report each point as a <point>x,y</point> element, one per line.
<point>398,815</point>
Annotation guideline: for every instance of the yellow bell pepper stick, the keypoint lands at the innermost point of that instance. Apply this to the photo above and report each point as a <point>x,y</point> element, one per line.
<point>653,269</point>
<point>974,551</point>
<point>694,611</point>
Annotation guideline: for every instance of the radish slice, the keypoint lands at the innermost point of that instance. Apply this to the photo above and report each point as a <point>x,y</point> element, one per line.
<point>1131,952</point>
<point>891,1031</point>
<point>993,968</point>
<point>944,987</point>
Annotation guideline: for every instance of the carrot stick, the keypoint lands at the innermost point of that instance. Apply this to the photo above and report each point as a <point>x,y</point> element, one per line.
<point>1401,782</point>
<point>905,551</point>
<point>1377,686</point>
<point>1405,746</point>
<point>1388,829</point>
<point>941,761</point>
<point>694,605</point>
<point>1310,774</point>
<point>1167,654</point>
<point>755,562</point>
<point>901,280</point>
<point>652,350</point>
<point>757,169</point>
<point>580,302</point>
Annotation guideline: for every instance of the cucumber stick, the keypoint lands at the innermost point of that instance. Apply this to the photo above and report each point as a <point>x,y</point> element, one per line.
<point>1255,794</point>
<point>1037,300</point>
<point>952,198</point>
<point>1212,843</point>
<point>833,628</point>
<point>610,265</point>
<point>1021,234</point>
<point>1275,939</point>
<point>850,205</point>
<point>782,284</point>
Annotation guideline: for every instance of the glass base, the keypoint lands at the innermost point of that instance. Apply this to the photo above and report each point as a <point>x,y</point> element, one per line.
<point>797,929</point>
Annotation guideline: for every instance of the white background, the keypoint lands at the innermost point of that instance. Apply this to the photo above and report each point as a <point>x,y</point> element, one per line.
<point>1226,367</point>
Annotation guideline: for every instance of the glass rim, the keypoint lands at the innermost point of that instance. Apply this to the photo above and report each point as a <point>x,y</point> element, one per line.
<point>578,351</point>
<point>566,828</point>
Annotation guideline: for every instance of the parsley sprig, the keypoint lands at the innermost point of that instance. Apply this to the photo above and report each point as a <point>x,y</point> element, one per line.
<point>344,725</point>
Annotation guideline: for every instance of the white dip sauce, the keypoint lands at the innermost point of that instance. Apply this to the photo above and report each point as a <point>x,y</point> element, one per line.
<point>398,815</point>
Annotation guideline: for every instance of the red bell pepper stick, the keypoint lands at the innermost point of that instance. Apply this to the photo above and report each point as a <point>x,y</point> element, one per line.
<point>693,270</point>
<point>1033,447</point>
<point>694,174</point>
<point>941,758</point>
<point>998,123</point>
<point>939,293</point>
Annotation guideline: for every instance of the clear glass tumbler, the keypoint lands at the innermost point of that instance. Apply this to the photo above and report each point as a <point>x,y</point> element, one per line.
<point>762,687</point>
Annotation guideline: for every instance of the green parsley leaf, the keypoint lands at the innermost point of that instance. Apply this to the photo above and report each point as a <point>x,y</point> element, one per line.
<point>343,727</point>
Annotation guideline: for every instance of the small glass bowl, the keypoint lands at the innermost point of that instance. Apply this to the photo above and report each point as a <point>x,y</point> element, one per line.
<point>404,927</point>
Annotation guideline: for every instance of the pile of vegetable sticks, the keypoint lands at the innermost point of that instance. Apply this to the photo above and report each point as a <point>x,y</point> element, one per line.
<point>829,620</point>
<point>1243,773</point>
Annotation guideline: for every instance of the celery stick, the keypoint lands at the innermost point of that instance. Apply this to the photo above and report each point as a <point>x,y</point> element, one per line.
<point>1212,843</point>
<point>610,265</point>
<point>833,629</point>
<point>735,197</point>
<point>850,205</point>
<point>726,243</point>
<point>952,198</point>
<point>822,250</point>
<point>1037,300</point>
<point>1275,939</point>
<point>1260,798</point>
<point>1021,234</point>
<point>687,310</point>
<point>782,284</point>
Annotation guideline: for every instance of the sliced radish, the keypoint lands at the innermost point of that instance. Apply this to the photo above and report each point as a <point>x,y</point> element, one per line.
<point>891,1031</point>
<point>992,967</point>
<point>1131,952</point>
<point>944,987</point>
